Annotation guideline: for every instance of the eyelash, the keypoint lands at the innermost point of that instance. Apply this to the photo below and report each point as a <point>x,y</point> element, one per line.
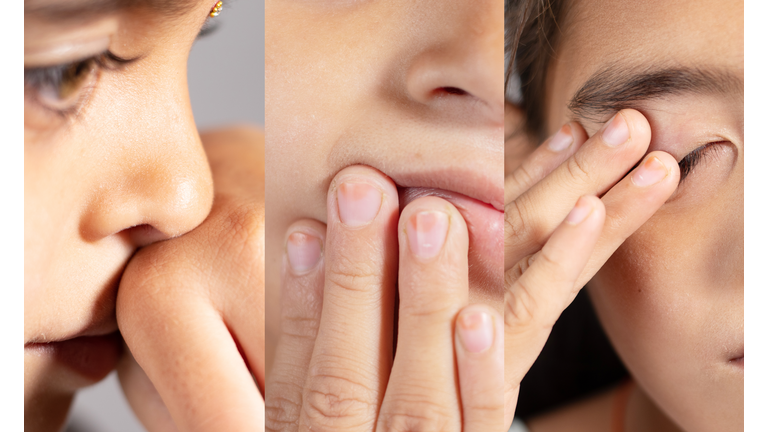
<point>692,159</point>
<point>37,79</point>
<point>53,78</point>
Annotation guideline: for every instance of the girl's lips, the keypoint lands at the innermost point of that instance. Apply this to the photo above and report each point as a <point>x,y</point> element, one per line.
<point>92,357</point>
<point>486,231</point>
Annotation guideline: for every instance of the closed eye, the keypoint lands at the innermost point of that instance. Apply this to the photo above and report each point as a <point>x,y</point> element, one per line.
<point>693,159</point>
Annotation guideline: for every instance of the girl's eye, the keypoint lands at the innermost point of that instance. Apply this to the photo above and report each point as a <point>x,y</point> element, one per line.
<point>694,158</point>
<point>63,88</point>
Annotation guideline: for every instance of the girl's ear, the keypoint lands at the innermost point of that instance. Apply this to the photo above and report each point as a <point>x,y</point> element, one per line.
<point>517,143</point>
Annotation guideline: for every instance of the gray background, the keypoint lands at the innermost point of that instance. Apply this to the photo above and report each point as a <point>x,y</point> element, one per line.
<point>226,83</point>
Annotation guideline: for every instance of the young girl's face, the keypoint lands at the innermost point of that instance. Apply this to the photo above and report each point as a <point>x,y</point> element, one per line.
<point>671,298</point>
<point>413,89</point>
<point>112,162</point>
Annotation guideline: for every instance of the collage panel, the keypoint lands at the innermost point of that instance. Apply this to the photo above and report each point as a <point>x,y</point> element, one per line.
<point>384,161</point>
<point>642,106</point>
<point>143,215</point>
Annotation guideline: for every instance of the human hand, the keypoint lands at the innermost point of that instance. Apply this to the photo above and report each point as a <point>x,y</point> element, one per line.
<point>558,233</point>
<point>334,367</point>
<point>191,308</point>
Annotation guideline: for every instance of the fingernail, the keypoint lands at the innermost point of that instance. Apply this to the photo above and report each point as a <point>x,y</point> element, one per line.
<point>358,203</point>
<point>475,331</point>
<point>617,131</point>
<point>580,211</point>
<point>426,233</point>
<point>650,172</point>
<point>303,251</point>
<point>561,140</point>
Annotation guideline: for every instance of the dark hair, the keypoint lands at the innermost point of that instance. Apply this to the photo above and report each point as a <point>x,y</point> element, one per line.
<point>531,45</point>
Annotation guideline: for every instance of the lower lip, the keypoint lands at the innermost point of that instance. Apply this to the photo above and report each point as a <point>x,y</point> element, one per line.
<point>92,357</point>
<point>484,223</point>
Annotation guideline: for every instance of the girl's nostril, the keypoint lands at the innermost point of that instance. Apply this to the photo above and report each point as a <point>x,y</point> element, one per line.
<point>144,234</point>
<point>453,91</point>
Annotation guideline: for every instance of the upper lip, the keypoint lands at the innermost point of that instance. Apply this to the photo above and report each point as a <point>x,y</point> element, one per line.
<point>102,322</point>
<point>98,328</point>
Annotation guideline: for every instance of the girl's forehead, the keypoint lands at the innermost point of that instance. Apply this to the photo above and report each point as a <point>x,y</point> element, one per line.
<point>605,44</point>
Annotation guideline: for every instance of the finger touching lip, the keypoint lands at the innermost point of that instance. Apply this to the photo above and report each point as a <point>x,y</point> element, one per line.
<point>485,226</point>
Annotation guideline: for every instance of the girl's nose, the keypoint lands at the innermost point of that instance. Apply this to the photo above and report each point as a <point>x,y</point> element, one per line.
<point>462,70</point>
<point>156,182</point>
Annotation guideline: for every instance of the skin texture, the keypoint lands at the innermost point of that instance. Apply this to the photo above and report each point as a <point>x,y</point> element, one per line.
<point>548,260</point>
<point>209,281</point>
<point>371,95</point>
<point>128,170</point>
<point>671,297</point>
<point>334,368</point>
<point>395,94</point>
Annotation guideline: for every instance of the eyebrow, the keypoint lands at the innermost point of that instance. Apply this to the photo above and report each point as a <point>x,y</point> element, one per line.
<point>83,10</point>
<point>615,88</point>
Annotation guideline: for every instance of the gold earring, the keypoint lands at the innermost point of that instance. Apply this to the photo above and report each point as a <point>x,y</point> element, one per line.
<point>216,10</point>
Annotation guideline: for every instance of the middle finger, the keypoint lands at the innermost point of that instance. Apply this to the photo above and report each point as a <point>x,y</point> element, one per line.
<point>433,284</point>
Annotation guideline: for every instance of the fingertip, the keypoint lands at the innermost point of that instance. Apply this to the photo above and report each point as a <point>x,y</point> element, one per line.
<point>598,207</point>
<point>562,139</point>
<point>352,194</point>
<point>476,328</point>
<point>585,208</point>
<point>670,162</point>
<point>428,223</point>
<point>304,245</point>
<point>431,203</point>
<point>580,135</point>
<point>658,168</point>
<point>639,128</point>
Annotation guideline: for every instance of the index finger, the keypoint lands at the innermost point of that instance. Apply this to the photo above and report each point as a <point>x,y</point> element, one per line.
<point>184,345</point>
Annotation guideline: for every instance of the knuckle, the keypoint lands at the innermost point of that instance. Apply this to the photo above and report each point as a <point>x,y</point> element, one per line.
<point>520,306</point>
<point>353,274</point>
<point>514,221</point>
<point>556,271</point>
<point>518,269</point>
<point>433,309</point>
<point>488,411</point>
<point>550,263</point>
<point>300,327</point>
<point>337,402</point>
<point>281,411</point>
<point>520,227</point>
<point>411,413</point>
<point>578,170</point>
<point>522,176</point>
